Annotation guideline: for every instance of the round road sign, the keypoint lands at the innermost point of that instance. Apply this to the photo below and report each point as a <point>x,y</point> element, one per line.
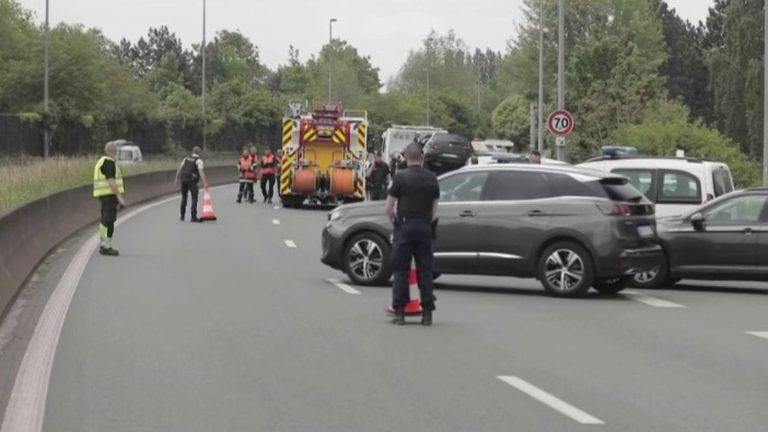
<point>560,123</point>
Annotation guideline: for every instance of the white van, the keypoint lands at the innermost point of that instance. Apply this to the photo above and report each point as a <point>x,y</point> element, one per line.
<point>675,185</point>
<point>128,152</point>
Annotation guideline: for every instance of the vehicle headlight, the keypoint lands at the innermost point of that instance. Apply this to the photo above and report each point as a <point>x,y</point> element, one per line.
<point>334,216</point>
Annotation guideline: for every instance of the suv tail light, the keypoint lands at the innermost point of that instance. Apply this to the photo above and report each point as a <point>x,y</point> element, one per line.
<point>615,208</point>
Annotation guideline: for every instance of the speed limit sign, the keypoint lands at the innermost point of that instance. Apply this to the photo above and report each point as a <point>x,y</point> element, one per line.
<point>560,123</point>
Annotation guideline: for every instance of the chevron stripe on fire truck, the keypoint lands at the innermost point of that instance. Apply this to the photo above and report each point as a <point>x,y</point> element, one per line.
<point>287,131</point>
<point>362,135</point>
<point>285,173</point>
<point>310,134</point>
<point>359,188</point>
<point>339,137</point>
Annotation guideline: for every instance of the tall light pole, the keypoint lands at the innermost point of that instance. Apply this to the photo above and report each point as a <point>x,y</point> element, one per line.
<point>330,57</point>
<point>561,72</point>
<point>429,66</point>
<point>46,49</point>
<point>205,117</point>
<point>765,95</point>
<point>541,76</point>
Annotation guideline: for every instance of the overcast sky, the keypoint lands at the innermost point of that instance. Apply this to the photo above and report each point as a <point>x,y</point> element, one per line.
<point>385,29</point>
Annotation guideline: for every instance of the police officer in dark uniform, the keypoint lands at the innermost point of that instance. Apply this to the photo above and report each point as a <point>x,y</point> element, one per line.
<point>190,172</point>
<point>412,208</point>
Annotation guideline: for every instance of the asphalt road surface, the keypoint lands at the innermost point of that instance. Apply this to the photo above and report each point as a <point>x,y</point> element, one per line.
<point>235,326</point>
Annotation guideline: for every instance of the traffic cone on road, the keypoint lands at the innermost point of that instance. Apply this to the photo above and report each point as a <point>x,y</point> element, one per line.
<point>208,214</point>
<point>414,306</point>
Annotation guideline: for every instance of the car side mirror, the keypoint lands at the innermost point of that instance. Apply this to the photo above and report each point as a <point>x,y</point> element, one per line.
<point>698,222</point>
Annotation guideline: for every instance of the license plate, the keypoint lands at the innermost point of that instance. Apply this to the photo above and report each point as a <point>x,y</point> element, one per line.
<point>645,231</point>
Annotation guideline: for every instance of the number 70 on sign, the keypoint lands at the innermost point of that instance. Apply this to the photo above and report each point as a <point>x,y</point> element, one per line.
<point>560,123</point>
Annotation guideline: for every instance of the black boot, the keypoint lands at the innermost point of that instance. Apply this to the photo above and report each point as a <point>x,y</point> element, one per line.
<point>399,318</point>
<point>182,217</point>
<point>426,317</point>
<point>239,198</point>
<point>108,251</point>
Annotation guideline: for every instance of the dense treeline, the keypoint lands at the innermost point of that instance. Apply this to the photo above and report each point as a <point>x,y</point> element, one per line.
<point>637,74</point>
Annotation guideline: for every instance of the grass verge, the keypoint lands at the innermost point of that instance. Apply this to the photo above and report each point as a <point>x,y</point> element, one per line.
<point>24,180</point>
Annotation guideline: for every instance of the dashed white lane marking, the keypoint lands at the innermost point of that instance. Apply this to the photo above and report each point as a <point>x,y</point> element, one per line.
<point>651,301</point>
<point>290,244</point>
<point>551,401</point>
<point>277,207</point>
<point>276,221</point>
<point>26,407</point>
<point>344,287</point>
<point>760,334</point>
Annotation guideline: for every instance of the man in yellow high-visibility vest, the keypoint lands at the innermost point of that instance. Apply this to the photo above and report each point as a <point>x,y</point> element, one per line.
<point>109,188</point>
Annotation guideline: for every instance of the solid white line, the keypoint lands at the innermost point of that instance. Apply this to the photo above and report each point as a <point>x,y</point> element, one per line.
<point>290,244</point>
<point>551,401</point>
<point>344,287</point>
<point>650,301</point>
<point>275,221</point>
<point>760,334</point>
<point>26,407</point>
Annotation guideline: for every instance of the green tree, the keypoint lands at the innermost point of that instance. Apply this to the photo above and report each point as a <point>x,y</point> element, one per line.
<point>511,119</point>
<point>20,51</point>
<point>668,129</point>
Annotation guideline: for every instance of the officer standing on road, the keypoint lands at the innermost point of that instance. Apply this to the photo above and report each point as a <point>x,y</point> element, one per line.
<point>377,178</point>
<point>412,208</point>
<point>247,174</point>
<point>268,169</point>
<point>190,172</point>
<point>109,188</point>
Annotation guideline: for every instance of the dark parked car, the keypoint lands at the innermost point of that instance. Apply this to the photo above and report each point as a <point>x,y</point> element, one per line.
<point>570,228</point>
<point>445,152</point>
<point>725,239</point>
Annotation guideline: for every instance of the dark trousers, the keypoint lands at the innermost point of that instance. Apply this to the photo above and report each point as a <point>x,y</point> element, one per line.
<point>267,185</point>
<point>109,205</point>
<point>413,240</point>
<point>189,188</point>
<point>246,189</point>
<point>378,193</point>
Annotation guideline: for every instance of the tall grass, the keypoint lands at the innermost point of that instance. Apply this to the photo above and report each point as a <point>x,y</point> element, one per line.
<point>23,180</point>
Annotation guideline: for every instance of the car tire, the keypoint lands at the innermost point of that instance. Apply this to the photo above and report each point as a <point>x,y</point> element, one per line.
<point>565,269</point>
<point>367,260</point>
<point>654,279</point>
<point>612,286</point>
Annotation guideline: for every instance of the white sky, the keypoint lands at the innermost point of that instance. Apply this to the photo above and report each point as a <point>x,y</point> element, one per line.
<point>384,29</point>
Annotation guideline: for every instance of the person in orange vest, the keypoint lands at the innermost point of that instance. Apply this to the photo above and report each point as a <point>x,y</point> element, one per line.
<point>268,170</point>
<point>247,175</point>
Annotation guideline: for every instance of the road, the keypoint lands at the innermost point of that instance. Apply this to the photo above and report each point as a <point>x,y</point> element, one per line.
<point>234,326</point>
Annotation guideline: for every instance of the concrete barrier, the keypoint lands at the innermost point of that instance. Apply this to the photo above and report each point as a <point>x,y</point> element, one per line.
<point>28,233</point>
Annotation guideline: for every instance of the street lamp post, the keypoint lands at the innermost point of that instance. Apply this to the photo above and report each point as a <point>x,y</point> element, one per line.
<point>330,57</point>
<point>205,117</point>
<point>46,49</point>
<point>765,96</point>
<point>561,72</point>
<point>429,66</point>
<point>541,76</point>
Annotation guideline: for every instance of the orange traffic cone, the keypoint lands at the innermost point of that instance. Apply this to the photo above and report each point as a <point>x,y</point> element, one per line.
<point>414,306</point>
<point>208,214</point>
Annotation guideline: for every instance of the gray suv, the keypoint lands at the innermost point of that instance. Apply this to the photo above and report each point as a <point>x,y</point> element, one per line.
<point>570,228</point>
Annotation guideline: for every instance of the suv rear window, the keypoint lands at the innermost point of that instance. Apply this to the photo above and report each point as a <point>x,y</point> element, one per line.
<point>619,189</point>
<point>721,178</point>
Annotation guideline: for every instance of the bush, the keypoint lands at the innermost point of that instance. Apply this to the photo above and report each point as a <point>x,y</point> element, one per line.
<point>667,129</point>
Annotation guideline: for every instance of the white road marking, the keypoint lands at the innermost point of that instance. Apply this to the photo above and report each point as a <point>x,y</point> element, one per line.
<point>290,244</point>
<point>551,401</point>
<point>276,221</point>
<point>651,301</point>
<point>277,207</point>
<point>760,334</point>
<point>26,407</point>
<point>344,287</point>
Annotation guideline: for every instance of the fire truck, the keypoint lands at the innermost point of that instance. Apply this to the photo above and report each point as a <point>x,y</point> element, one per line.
<point>324,152</point>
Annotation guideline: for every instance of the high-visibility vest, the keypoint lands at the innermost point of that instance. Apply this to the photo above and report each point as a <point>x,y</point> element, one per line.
<point>247,168</point>
<point>100,184</point>
<point>268,162</point>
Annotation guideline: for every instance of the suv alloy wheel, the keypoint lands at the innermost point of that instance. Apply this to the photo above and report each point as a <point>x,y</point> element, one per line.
<point>565,270</point>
